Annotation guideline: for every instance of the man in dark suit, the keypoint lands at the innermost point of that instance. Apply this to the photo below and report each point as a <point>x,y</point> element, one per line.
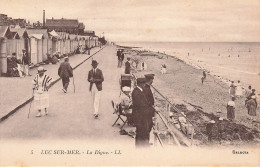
<point>141,114</point>
<point>95,77</point>
<point>127,66</point>
<point>149,96</point>
<point>26,62</point>
<point>65,72</point>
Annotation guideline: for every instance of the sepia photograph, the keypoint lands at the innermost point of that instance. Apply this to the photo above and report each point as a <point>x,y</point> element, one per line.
<point>129,83</point>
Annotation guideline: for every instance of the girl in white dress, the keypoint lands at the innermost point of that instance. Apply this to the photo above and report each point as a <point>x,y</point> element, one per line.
<point>238,89</point>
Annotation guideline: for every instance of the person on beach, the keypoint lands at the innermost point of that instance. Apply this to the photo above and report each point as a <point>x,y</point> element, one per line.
<point>220,129</point>
<point>65,72</point>
<point>95,77</point>
<point>238,89</point>
<point>143,66</point>
<point>248,94</point>
<point>127,66</point>
<point>163,69</point>
<point>141,114</point>
<point>232,89</point>
<point>251,107</point>
<point>41,84</point>
<point>231,109</point>
<point>204,76</point>
<point>25,62</point>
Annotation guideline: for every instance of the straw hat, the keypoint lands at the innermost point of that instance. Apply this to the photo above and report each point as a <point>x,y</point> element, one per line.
<point>212,121</point>
<point>220,118</point>
<point>41,69</point>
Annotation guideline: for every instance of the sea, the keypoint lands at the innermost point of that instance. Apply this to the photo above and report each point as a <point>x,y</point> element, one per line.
<point>229,60</point>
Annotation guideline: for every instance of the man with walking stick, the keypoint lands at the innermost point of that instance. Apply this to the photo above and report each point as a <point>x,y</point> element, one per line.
<point>41,96</point>
<point>65,72</point>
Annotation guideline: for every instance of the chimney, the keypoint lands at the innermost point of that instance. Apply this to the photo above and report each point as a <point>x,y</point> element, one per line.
<point>43,22</point>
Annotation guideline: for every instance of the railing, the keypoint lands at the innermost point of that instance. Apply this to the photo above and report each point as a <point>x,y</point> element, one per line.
<point>168,105</point>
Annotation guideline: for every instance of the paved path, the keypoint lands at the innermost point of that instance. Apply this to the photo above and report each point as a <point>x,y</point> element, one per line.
<point>15,90</point>
<point>70,115</point>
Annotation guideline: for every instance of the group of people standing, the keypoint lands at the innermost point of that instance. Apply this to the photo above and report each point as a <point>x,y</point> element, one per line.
<point>235,91</point>
<point>19,67</point>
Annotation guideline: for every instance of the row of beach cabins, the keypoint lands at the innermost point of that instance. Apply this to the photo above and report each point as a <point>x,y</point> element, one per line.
<point>39,43</point>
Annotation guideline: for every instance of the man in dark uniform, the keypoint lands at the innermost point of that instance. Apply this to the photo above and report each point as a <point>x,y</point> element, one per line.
<point>127,66</point>
<point>140,113</point>
<point>149,96</point>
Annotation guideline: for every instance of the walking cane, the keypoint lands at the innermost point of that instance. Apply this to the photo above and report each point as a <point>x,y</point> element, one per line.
<point>30,105</point>
<point>73,84</point>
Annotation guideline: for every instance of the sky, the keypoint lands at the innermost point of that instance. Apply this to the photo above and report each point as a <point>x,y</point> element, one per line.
<point>151,20</point>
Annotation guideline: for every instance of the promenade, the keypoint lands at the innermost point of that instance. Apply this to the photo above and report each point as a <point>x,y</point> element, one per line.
<point>71,114</point>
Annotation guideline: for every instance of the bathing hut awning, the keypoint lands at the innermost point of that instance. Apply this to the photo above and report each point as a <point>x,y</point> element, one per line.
<point>53,34</point>
<point>73,37</point>
<point>21,32</point>
<point>5,32</point>
<point>43,32</point>
<point>37,36</point>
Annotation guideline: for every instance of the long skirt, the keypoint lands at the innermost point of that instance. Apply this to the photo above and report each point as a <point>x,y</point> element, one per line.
<point>230,112</point>
<point>41,100</point>
<point>232,91</point>
<point>238,91</point>
<point>251,107</point>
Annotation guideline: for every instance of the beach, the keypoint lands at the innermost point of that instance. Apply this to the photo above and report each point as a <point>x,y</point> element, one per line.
<point>229,60</point>
<point>200,102</point>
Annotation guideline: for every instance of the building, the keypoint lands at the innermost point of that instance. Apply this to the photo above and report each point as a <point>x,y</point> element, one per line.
<point>8,21</point>
<point>71,26</point>
<point>89,33</point>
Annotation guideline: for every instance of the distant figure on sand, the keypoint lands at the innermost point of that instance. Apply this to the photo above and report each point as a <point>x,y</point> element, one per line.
<point>238,89</point>
<point>143,66</point>
<point>232,90</point>
<point>231,109</point>
<point>163,69</point>
<point>204,76</point>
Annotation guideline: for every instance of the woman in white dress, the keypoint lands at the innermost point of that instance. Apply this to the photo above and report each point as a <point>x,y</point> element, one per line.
<point>238,89</point>
<point>41,96</point>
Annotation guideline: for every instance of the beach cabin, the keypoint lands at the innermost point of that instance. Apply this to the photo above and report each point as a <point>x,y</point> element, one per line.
<point>60,42</point>
<point>5,34</point>
<point>39,38</point>
<point>67,43</point>
<point>74,42</point>
<point>54,38</point>
<point>22,41</point>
